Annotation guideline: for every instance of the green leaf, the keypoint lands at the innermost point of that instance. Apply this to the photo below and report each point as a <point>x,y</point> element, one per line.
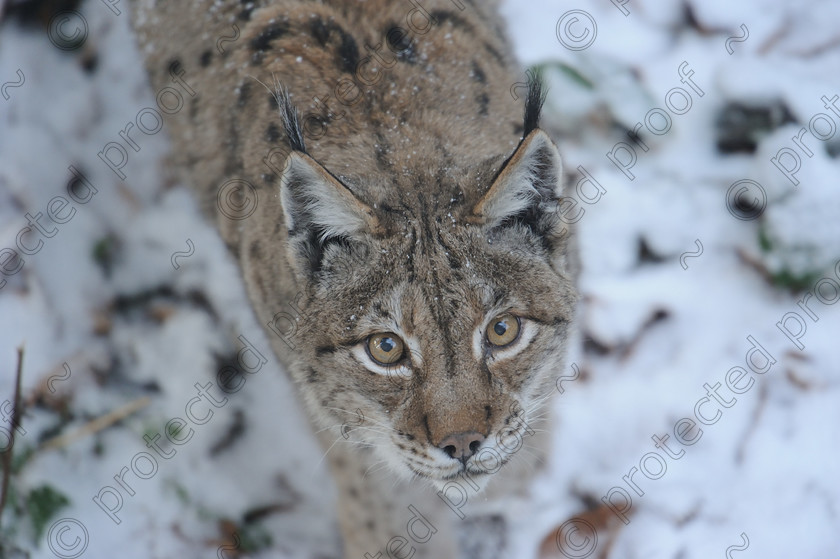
<point>795,282</point>
<point>180,491</point>
<point>42,503</point>
<point>568,71</point>
<point>764,239</point>
<point>104,252</point>
<point>254,538</point>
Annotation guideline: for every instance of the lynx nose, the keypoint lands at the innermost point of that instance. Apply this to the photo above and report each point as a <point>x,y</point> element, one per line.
<point>461,445</point>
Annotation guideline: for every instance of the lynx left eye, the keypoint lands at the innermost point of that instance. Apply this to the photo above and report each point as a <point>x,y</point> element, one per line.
<point>385,349</point>
<point>503,330</point>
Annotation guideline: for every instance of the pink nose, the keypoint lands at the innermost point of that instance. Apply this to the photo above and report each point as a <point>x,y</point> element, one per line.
<point>461,446</point>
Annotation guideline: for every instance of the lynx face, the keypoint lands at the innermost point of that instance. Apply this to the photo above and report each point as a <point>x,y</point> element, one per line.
<point>435,320</point>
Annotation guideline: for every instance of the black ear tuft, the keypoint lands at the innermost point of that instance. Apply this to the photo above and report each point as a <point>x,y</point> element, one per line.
<point>291,119</point>
<point>527,190</point>
<point>534,102</point>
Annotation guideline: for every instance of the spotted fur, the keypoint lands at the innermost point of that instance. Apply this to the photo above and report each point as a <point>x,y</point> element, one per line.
<point>400,189</point>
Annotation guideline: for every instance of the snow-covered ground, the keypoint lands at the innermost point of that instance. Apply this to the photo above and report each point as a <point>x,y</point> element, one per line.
<point>711,250</point>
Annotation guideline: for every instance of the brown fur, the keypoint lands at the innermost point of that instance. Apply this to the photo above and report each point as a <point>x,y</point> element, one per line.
<point>415,174</point>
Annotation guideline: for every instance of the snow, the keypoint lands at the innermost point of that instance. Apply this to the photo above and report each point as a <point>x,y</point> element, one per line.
<point>761,469</point>
<point>656,330</point>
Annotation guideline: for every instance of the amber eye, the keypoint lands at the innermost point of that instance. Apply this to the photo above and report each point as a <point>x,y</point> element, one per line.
<point>385,349</point>
<point>503,330</point>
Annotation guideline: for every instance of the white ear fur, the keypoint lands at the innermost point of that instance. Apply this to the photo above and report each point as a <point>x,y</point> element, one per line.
<point>532,176</point>
<point>313,199</point>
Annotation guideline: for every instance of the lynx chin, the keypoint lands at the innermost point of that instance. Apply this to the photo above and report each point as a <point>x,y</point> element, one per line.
<point>411,210</point>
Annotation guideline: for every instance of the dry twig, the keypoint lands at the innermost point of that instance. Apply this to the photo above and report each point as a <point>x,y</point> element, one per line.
<point>97,424</point>
<point>7,454</point>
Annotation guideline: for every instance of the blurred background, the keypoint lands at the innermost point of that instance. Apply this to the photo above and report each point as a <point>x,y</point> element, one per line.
<point>698,417</point>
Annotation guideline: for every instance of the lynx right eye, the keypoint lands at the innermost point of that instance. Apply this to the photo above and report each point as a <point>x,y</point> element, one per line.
<point>385,349</point>
<point>503,330</point>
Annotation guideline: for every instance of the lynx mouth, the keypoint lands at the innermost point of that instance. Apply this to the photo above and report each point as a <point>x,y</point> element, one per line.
<point>475,481</point>
<point>466,472</point>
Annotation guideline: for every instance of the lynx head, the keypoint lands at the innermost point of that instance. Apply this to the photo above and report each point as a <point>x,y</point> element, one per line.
<point>438,305</point>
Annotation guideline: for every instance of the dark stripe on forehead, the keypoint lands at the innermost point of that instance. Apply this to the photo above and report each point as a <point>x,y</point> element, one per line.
<point>382,149</point>
<point>499,294</point>
<point>483,101</point>
<point>432,286</point>
<point>453,262</point>
<point>477,73</point>
<point>347,53</point>
<point>262,42</point>
<point>426,237</point>
<point>412,256</point>
<point>245,14</point>
<point>494,53</point>
<point>380,311</point>
<point>244,93</point>
<point>325,350</point>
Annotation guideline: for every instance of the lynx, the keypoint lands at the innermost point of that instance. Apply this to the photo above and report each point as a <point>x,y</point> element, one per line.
<point>365,163</point>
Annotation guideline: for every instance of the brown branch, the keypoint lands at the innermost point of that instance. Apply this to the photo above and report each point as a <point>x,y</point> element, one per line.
<point>98,424</point>
<point>16,414</point>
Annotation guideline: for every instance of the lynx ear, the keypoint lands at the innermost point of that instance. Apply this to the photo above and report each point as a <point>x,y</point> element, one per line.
<point>528,188</point>
<point>319,210</point>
